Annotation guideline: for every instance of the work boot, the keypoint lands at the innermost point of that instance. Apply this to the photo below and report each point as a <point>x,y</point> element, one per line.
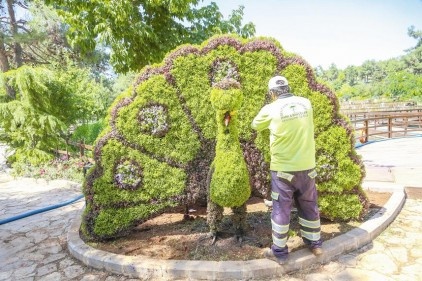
<point>317,251</point>
<point>268,253</point>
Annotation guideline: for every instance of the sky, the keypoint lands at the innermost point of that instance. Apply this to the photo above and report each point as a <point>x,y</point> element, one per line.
<point>343,32</point>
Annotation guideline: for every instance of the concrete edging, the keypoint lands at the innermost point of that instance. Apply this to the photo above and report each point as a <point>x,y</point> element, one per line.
<point>147,268</point>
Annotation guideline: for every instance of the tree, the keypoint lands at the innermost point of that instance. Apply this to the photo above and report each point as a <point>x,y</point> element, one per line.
<point>367,71</point>
<point>208,21</point>
<point>392,65</point>
<point>413,59</point>
<point>140,32</point>
<point>341,78</point>
<point>38,40</point>
<point>403,86</point>
<point>10,47</point>
<point>32,33</point>
<point>47,102</point>
<point>416,34</point>
<point>320,72</point>
<point>29,41</point>
<point>346,92</point>
<point>351,74</point>
<point>332,72</point>
<point>397,78</point>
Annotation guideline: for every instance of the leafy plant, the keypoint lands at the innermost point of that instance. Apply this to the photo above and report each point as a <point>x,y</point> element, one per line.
<point>48,102</point>
<point>87,133</point>
<point>69,169</point>
<point>142,32</point>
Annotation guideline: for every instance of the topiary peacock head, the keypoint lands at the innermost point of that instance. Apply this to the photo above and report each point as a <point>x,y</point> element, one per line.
<point>226,95</point>
<point>160,140</point>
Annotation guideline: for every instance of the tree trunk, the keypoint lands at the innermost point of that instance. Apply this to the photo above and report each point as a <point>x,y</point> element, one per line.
<point>4,67</point>
<point>17,48</point>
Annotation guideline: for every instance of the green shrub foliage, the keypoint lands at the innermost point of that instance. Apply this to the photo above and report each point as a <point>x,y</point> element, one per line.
<point>160,141</point>
<point>87,133</point>
<point>229,186</point>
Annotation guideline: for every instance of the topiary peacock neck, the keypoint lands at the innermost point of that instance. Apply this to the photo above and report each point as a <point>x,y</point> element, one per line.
<point>229,185</point>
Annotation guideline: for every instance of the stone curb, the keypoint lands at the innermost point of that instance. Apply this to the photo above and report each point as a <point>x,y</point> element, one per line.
<point>146,268</point>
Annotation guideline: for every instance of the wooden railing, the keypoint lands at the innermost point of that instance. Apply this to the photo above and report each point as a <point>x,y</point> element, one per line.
<point>387,124</point>
<point>370,105</point>
<point>82,147</point>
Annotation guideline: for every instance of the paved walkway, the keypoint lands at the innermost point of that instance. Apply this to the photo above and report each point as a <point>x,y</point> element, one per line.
<point>34,248</point>
<point>397,160</point>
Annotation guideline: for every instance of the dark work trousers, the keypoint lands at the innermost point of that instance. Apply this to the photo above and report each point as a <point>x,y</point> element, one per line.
<point>298,186</point>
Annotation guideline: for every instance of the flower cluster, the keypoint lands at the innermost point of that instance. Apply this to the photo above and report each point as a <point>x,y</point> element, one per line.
<point>153,120</point>
<point>128,175</point>
<point>224,71</point>
<point>60,168</point>
<point>226,84</point>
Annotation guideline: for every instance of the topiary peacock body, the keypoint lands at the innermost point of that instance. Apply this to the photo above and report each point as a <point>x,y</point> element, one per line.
<point>229,184</point>
<point>168,131</point>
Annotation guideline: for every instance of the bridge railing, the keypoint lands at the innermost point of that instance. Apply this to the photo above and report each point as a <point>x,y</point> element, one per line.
<point>386,124</point>
<point>80,146</point>
<point>370,105</point>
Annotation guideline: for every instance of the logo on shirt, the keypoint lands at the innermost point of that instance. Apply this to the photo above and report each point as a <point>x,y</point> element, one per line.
<point>293,111</point>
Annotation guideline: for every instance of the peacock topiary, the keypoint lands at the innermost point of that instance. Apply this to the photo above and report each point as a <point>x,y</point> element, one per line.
<point>181,136</point>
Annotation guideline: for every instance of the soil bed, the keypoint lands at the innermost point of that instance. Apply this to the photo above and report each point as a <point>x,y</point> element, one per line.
<point>170,237</point>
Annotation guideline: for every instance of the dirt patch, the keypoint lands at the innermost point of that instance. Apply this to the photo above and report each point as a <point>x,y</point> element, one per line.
<point>170,237</point>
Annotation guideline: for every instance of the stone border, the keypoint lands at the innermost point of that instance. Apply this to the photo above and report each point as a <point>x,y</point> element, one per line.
<point>147,268</point>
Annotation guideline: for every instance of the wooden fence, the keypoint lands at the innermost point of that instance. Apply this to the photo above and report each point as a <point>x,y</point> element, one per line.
<point>82,148</point>
<point>386,124</point>
<point>370,106</point>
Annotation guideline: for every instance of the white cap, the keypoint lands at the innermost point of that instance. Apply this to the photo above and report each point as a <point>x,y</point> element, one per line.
<point>276,82</point>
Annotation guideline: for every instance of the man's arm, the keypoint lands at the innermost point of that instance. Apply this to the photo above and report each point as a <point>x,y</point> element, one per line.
<point>262,120</point>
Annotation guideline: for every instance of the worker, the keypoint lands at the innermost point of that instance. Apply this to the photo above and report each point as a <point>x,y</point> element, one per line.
<point>292,147</point>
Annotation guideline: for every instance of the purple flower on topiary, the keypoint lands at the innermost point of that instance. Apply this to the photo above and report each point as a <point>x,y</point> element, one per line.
<point>263,45</point>
<point>128,175</point>
<point>183,51</point>
<point>216,42</point>
<point>223,69</point>
<point>153,120</point>
<point>227,83</point>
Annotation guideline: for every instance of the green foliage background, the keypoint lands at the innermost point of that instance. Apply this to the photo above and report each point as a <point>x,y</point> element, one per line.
<point>396,79</point>
<point>141,32</point>
<point>48,101</point>
<point>171,164</point>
